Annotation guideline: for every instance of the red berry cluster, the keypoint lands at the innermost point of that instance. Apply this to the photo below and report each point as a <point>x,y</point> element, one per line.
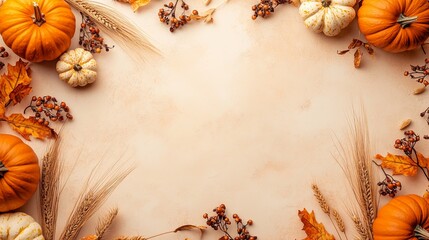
<point>266,7</point>
<point>407,143</point>
<point>389,186</point>
<point>419,73</point>
<point>220,221</point>
<point>89,36</point>
<point>3,54</point>
<point>49,107</point>
<point>167,15</point>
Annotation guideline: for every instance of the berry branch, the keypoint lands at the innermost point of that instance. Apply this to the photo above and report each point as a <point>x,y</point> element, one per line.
<point>89,36</point>
<point>419,73</point>
<point>389,185</point>
<point>266,7</point>
<point>48,106</point>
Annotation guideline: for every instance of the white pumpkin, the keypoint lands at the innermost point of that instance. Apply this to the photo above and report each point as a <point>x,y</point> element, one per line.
<point>19,226</point>
<point>77,67</point>
<point>327,16</point>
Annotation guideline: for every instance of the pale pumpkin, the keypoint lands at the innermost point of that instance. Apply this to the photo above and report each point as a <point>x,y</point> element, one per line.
<point>394,26</point>
<point>327,16</point>
<point>404,217</point>
<point>19,226</point>
<point>37,30</point>
<point>77,67</point>
<point>19,173</point>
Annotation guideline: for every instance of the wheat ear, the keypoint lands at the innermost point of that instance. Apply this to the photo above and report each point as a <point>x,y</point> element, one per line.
<point>49,190</point>
<point>117,26</point>
<point>105,222</point>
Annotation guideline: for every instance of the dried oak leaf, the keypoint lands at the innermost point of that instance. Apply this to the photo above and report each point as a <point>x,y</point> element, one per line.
<point>400,165</point>
<point>313,229</point>
<point>15,76</point>
<point>357,58</point>
<point>29,127</point>
<point>19,93</point>
<point>135,4</point>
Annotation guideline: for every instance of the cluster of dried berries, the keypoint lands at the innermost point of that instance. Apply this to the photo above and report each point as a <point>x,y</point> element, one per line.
<point>419,73</point>
<point>266,7</point>
<point>48,106</point>
<point>220,221</point>
<point>89,36</point>
<point>389,186</point>
<point>167,15</point>
<point>407,143</point>
<point>3,54</point>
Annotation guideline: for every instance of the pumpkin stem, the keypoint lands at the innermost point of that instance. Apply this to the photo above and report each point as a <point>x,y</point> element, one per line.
<point>326,3</point>
<point>421,233</point>
<point>39,17</point>
<point>77,67</point>
<point>3,170</point>
<point>405,21</point>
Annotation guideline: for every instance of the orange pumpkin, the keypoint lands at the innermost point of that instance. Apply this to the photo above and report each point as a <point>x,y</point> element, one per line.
<point>19,172</point>
<point>404,217</point>
<point>394,25</point>
<point>37,30</point>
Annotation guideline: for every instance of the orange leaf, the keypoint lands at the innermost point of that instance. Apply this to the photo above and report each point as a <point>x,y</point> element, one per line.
<point>19,93</point>
<point>29,127</point>
<point>313,229</point>
<point>357,58</point>
<point>136,4</point>
<point>423,161</point>
<point>16,75</point>
<point>399,164</point>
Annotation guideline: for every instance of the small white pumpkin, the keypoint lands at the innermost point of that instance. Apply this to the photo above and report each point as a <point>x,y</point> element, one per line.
<point>19,226</point>
<point>77,67</point>
<point>327,16</point>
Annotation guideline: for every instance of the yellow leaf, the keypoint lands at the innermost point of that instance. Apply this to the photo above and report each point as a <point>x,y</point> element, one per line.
<point>29,127</point>
<point>399,164</point>
<point>15,76</point>
<point>135,4</point>
<point>313,229</point>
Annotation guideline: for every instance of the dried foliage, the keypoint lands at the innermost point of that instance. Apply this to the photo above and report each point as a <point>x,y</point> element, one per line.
<point>357,44</point>
<point>135,4</point>
<point>312,228</point>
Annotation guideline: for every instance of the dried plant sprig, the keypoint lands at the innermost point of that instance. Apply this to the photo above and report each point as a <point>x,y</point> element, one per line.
<point>360,228</point>
<point>117,26</point>
<point>339,221</point>
<point>105,222</point>
<point>356,162</point>
<point>357,44</point>
<point>187,227</point>
<point>320,198</point>
<point>90,201</point>
<point>50,190</point>
<point>130,238</point>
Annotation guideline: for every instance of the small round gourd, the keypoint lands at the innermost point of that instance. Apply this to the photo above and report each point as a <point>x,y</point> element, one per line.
<point>77,67</point>
<point>19,226</point>
<point>19,173</point>
<point>404,217</point>
<point>37,30</point>
<point>327,16</point>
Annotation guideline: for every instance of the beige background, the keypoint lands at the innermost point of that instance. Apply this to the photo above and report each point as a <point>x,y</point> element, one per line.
<point>239,112</point>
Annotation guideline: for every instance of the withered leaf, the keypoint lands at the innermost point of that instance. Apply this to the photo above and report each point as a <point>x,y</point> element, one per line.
<point>16,75</point>
<point>313,229</point>
<point>343,52</point>
<point>19,93</point>
<point>399,164</point>
<point>29,127</point>
<point>368,48</point>
<point>355,43</point>
<point>357,58</point>
<point>189,227</point>
<point>135,4</point>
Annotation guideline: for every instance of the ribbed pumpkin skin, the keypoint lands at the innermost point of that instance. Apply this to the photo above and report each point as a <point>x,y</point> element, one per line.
<point>22,178</point>
<point>27,39</point>
<point>397,219</point>
<point>377,20</point>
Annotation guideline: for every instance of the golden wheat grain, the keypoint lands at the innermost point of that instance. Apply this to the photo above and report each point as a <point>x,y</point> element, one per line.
<point>105,222</point>
<point>339,220</point>
<point>320,198</point>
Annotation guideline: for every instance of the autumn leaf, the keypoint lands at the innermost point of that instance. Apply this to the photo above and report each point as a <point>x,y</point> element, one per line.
<point>19,93</point>
<point>357,58</point>
<point>355,43</point>
<point>29,127</point>
<point>313,229</point>
<point>136,4</point>
<point>401,165</point>
<point>15,76</point>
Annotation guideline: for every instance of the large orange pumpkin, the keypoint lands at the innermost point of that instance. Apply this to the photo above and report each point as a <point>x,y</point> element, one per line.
<point>394,25</point>
<point>37,30</point>
<point>404,217</point>
<point>19,172</point>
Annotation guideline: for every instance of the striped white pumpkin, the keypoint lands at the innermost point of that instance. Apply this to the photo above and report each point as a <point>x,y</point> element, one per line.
<point>327,16</point>
<point>19,226</point>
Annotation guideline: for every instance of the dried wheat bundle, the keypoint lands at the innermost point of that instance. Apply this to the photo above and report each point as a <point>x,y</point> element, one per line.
<point>50,190</point>
<point>356,163</point>
<point>121,30</point>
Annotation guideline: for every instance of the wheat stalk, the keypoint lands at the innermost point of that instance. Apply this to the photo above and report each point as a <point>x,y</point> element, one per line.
<point>90,200</point>
<point>360,228</point>
<point>320,198</point>
<point>49,190</point>
<point>105,222</point>
<point>339,220</point>
<point>117,26</point>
